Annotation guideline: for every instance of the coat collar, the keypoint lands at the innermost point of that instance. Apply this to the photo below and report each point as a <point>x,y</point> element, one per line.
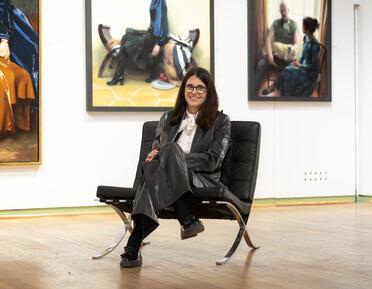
<point>197,137</point>
<point>198,134</point>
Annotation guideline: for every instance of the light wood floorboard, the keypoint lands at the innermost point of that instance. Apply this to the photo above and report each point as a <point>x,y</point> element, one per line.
<point>302,247</point>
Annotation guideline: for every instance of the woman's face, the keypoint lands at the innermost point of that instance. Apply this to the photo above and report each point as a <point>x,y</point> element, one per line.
<point>304,30</point>
<point>195,93</point>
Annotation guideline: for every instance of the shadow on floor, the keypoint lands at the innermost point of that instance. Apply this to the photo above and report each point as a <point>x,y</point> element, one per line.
<point>17,275</point>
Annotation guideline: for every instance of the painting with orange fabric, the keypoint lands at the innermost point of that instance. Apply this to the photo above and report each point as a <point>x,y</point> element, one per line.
<point>19,82</point>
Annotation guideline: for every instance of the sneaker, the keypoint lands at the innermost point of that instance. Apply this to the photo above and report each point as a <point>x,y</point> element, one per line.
<point>194,228</point>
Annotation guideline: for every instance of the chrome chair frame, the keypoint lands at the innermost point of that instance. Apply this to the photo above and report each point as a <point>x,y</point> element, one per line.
<point>242,131</point>
<point>128,227</point>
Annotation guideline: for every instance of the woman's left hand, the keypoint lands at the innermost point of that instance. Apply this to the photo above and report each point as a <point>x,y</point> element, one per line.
<point>155,50</point>
<point>4,49</point>
<point>151,155</point>
<point>296,63</point>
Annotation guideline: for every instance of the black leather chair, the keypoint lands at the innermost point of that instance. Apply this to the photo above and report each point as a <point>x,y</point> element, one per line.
<point>238,173</point>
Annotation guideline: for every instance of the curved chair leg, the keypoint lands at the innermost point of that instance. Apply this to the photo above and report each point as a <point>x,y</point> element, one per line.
<point>127,227</point>
<point>242,231</point>
<point>106,61</point>
<point>103,65</point>
<point>232,249</point>
<point>113,245</point>
<point>248,241</point>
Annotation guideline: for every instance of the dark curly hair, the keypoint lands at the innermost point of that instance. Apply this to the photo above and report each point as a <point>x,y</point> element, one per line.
<point>209,110</point>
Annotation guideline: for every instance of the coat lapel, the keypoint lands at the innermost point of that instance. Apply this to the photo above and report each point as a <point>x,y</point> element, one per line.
<point>197,137</point>
<point>173,132</point>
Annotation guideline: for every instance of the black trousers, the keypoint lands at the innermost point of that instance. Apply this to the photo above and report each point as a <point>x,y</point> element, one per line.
<point>165,183</point>
<point>136,49</point>
<point>144,225</point>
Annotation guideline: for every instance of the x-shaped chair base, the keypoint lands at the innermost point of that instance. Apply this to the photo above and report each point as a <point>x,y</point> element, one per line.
<point>242,232</point>
<point>128,227</point>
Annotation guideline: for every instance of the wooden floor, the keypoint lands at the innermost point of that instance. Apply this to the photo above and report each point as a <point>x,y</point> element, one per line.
<point>301,247</point>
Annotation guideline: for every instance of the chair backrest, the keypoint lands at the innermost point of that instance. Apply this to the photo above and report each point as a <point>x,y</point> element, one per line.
<point>148,135</point>
<point>240,166</point>
<point>105,35</point>
<point>322,55</point>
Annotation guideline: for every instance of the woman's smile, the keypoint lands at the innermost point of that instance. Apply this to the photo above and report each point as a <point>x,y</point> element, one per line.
<point>194,97</point>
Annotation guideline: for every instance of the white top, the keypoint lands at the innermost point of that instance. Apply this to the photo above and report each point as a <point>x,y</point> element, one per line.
<point>188,127</point>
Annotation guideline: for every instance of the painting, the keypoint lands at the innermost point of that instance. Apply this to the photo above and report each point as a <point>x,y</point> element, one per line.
<point>19,82</point>
<point>289,45</point>
<point>139,51</point>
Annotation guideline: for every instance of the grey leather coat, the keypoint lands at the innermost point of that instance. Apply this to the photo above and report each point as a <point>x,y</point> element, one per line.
<point>208,148</point>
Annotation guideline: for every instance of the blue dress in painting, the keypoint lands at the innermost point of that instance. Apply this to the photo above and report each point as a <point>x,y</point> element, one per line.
<point>23,40</point>
<point>159,21</point>
<point>300,81</point>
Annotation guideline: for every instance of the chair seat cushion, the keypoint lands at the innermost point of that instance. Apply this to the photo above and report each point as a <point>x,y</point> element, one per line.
<point>115,193</point>
<point>221,194</point>
<point>208,193</point>
<point>200,194</point>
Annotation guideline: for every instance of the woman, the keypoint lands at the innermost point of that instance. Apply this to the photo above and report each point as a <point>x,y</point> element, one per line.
<point>143,48</point>
<point>16,83</point>
<point>299,79</point>
<point>190,144</point>
<point>19,41</point>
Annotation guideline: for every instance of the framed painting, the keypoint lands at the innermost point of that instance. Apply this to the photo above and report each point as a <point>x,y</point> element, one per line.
<point>139,51</point>
<point>20,103</point>
<point>289,50</point>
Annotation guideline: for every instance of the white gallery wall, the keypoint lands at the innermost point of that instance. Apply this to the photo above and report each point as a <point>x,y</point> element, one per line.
<point>364,104</point>
<point>82,150</point>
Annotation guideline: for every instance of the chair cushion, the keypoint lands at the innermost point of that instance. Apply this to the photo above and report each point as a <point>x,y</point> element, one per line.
<point>221,194</point>
<point>115,193</point>
<point>200,194</point>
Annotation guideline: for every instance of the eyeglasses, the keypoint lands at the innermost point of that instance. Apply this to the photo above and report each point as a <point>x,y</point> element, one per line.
<point>200,89</point>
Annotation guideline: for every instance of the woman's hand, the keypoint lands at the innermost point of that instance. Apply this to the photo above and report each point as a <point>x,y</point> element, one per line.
<point>270,59</point>
<point>151,155</point>
<point>155,50</point>
<point>4,49</point>
<point>296,63</point>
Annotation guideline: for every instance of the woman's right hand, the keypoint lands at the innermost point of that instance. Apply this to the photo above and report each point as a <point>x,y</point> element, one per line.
<point>4,49</point>
<point>151,155</point>
<point>155,50</point>
<point>296,63</point>
<point>270,59</point>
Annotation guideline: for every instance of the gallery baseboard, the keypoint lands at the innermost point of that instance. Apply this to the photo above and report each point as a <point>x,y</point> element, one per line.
<point>47,212</point>
<point>104,209</point>
<point>364,199</point>
<point>303,201</point>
